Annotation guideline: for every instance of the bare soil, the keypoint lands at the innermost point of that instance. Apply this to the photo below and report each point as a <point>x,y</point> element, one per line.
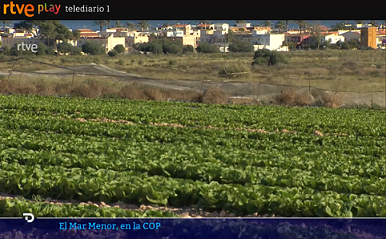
<point>181,212</point>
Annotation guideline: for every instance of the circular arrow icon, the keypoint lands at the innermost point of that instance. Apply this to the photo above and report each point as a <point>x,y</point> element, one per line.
<point>27,215</point>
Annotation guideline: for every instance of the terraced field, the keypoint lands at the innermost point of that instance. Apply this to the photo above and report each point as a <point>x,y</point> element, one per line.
<point>68,157</point>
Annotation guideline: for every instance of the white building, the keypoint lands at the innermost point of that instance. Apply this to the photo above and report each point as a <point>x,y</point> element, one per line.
<point>223,27</point>
<point>260,31</point>
<point>223,46</point>
<point>175,33</point>
<point>244,24</point>
<point>272,42</point>
<point>212,36</point>
<point>333,38</point>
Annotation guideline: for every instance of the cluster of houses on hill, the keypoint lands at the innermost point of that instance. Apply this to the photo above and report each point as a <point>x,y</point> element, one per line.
<point>217,34</point>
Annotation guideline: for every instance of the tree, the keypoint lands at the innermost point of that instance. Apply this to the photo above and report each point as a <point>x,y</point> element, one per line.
<point>359,21</point>
<point>316,34</point>
<point>130,26</point>
<point>54,30</point>
<point>100,23</point>
<point>62,32</point>
<point>50,51</point>
<point>41,49</point>
<point>34,25</point>
<point>267,57</point>
<point>208,48</point>
<point>108,23</point>
<point>188,49</point>
<point>230,35</point>
<point>112,53</point>
<point>119,48</point>
<point>24,25</point>
<point>327,44</point>
<point>157,48</point>
<point>241,46</point>
<point>374,23</point>
<point>172,47</point>
<point>267,23</point>
<point>93,48</point>
<point>286,24</point>
<point>76,34</point>
<point>47,31</point>
<point>64,47</point>
<point>143,25</point>
<point>6,51</point>
<point>4,23</point>
<point>301,24</point>
<point>280,25</point>
<point>338,26</point>
<point>117,24</point>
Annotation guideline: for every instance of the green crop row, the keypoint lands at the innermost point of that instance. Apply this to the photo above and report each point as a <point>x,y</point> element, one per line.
<point>355,122</point>
<point>133,187</point>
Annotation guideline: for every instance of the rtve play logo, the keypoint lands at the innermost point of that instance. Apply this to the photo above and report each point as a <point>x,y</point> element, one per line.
<point>29,10</point>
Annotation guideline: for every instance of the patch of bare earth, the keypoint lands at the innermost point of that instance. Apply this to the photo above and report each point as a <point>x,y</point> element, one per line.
<point>180,212</point>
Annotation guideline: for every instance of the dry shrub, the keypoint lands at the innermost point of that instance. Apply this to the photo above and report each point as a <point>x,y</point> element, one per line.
<point>214,95</point>
<point>62,88</point>
<point>286,97</point>
<point>132,92</point>
<point>289,96</point>
<point>190,96</point>
<point>24,90</point>
<point>44,90</point>
<point>90,90</point>
<point>303,99</point>
<point>332,100</point>
<point>155,94</point>
<point>6,87</point>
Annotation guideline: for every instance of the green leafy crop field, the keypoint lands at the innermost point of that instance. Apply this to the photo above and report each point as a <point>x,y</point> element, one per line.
<point>239,159</point>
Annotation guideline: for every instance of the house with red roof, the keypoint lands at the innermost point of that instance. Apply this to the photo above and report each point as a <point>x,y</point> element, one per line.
<point>88,33</point>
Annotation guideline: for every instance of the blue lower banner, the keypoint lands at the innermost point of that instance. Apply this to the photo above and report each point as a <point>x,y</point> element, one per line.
<point>30,227</point>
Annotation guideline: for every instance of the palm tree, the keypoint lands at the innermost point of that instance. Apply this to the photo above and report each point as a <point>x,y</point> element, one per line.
<point>307,27</point>
<point>280,25</point>
<point>374,23</point>
<point>286,23</point>
<point>301,24</point>
<point>267,23</point>
<point>359,21</point>
<point>204,22</point>
<point>130,26</point>
<point>143,25</point>
<point>117,24</point>
<point>35,24</point>
<point>241,21</point>
<point>108,23</point>
<point>100,23</point>
<point>4,23</point>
